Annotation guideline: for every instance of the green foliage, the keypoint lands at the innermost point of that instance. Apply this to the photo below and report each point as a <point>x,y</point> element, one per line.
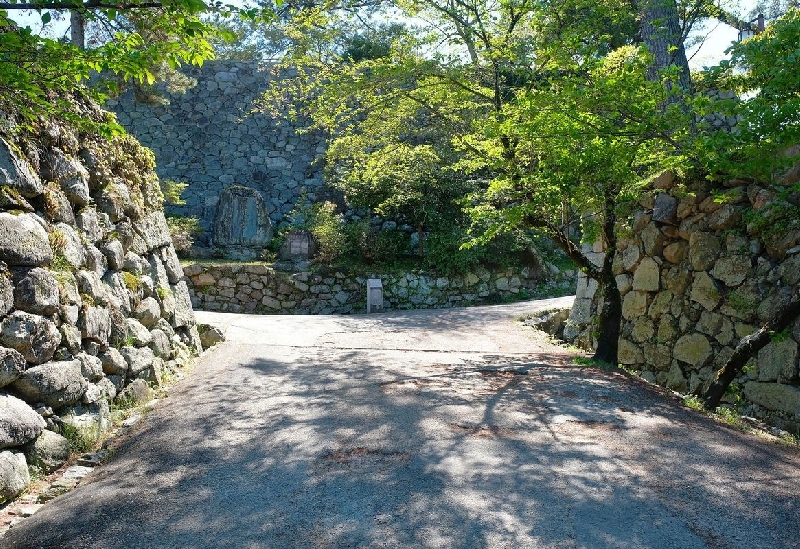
<point>763,72</point>
<point>173,191</point>
<point>132,282</point>
<point>41,78</point>
<point>80,440</point>
<point>183,231</point>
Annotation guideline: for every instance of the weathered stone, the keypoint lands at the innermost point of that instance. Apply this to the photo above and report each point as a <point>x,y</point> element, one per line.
<point>68,289</point>
<point>113,362</point>
<point>630,257</point>
<point>158,272</point>
<point>90,284</point>
<point>676,252</point>
<point>646,278</point>
<point>160,344</point>
<point>732,270</point>
<point>660,305</point>
<point>184,315</point>
<point>23,241</point>
<point>135,394</point>
<point>153,229</point>
<point>210,335</point>
<point>705,291</point>
<point>642,330</point>
<point>634,304</point>
<point>624,283</point>
<point>172,265</point>
<point>88,421</point>
<point>241,223</point>
<point>70,336</point>
<point>12,364</point>
<point>138,359</point>
<point>136,333</point>
<point>629,353</point>
<point>789,270</point>
<point>136,264</point>
<point>88,222</point>
<point>91,366</point>
<point>652,240</point>
<point>48,452</point>
<point>14,476</point>
<point>19,423</point>
<point>778,361</point>
<point>148,312</point>
<point>95,324</point>
<point>6,291</point>
<point>727,217</point>
<point>69,173</point>
<point>114,253</point>
<point>664,181</point>
<point>704,249</point>
<point>677,280</point>
<point>55,384</point>
<point>37,292</point>
<point>115,201</point>
<point>693,349</point>
<point>665,209</point>
<point>15,172</point>
<point>676,380</point>
<point>56,207</point>
<point>34,336</point>
<point>783,398</point>
<point>658,356</point>
<point>70,245</point>
<point>709,323</point>
<point>667,329</point>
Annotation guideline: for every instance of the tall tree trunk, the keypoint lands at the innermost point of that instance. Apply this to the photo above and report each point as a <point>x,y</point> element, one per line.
<point>77,28</point>
<point>746,348</point>
<point>661,32</point>
<point>610,314</point>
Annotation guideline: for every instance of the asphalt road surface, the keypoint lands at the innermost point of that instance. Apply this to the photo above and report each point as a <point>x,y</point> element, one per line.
<point>424,429</point>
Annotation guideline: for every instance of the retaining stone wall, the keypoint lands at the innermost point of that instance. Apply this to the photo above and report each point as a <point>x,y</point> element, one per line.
<point>257,288</point>
<point>92,302</point>
<point>695,278</point>
<point>212,138</point>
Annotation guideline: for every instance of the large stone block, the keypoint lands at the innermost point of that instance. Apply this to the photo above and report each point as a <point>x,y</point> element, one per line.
<point>56,384</point>
<point>705,291</point>
<point>778,361</point>
<point>241,224</point>
<point>34,336</point>
<point>732,270</point>
<point>48,452</point>
<point>693,349</point>
<point>14,476</point>
<point>634,304</point>
<point>12,364</point>
<point>69,173</point>
<point>23,241</point>
<point>647,276</point>
<point>704,249</point>
<point>153,230</point>
<point>15,172</point>
<point>783,398</point>
<point>37,292</point>
<point>19,423</point>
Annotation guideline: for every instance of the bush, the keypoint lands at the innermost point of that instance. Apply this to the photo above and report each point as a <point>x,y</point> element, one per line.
<point>183,231</point>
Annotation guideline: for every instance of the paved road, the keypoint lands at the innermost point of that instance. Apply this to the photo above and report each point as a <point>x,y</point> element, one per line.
<point>427,429</point>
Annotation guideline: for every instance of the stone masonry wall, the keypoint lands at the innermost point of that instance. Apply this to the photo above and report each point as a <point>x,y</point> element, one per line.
<point>697,275</point>
<point>257,288</point>
<point>93,307</point>
<point>212,138</point>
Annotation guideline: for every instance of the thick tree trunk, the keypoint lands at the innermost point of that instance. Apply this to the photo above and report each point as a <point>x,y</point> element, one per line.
<point>77,28</point>
<point>661,32</point>
<point>745,349</point>
<point>610,317</point>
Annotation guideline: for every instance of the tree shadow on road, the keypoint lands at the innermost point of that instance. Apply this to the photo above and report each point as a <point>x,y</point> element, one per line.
<point>341,449</point>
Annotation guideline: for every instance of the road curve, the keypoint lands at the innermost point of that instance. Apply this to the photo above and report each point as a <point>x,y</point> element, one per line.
<point>423,429</point>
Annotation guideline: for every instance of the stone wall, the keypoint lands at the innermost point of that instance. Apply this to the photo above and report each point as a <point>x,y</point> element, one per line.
<point>697,274</point>
<point>213,136</point>
<point>257,288</point>
<point>93,307</point>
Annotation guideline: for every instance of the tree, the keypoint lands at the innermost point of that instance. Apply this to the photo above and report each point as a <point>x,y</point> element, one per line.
<point>763,71</point>
<point>38,74</point>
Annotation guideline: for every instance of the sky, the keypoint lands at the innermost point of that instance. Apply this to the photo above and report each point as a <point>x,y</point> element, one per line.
<point>718,36</point>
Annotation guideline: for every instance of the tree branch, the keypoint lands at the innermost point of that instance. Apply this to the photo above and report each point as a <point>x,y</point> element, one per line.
<point>90,5</point>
